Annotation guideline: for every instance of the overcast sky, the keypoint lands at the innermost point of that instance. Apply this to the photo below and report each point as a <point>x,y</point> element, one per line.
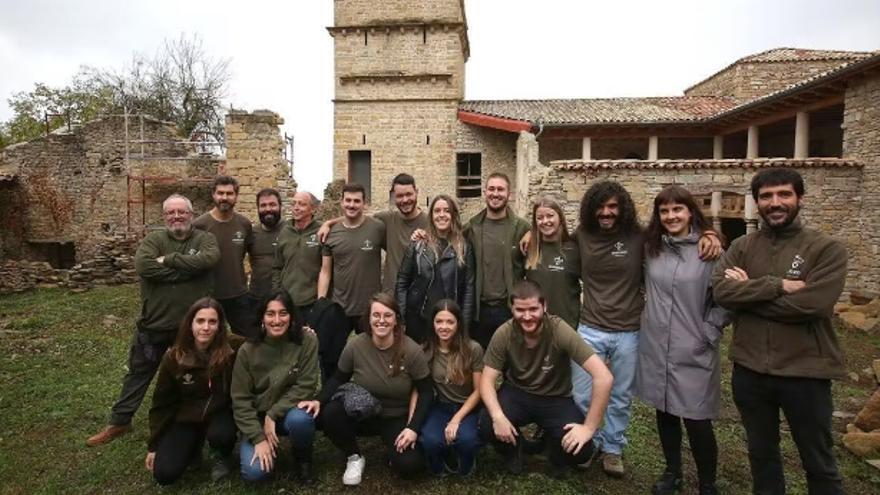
<point>282,56</point>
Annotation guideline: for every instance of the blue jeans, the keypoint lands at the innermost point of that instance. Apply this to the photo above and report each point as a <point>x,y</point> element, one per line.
<point>620,351</point>
<point>433,437</point>
<point>297,425</point>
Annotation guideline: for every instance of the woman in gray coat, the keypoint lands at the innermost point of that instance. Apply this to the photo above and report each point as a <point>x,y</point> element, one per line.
<point>679,369</point>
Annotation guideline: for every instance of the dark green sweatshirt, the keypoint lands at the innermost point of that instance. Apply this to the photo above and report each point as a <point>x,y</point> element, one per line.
<point>184,276</point>
<point>774,332</point>
<point>298,263</point>
<point>185,392</point>
<point>270,378</point>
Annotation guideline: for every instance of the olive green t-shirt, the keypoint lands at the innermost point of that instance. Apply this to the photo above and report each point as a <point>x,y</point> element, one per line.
<point>357,263</point>
<point>454,392</point>
<point>494,244</point>
<point>235,238</point>
<point>559,274</point>
<point>370,368</point>
<point>398,231</point>
<point>541,370</point>
<point>611,268</point>
<point>298,262</point>
<point>262,256</point>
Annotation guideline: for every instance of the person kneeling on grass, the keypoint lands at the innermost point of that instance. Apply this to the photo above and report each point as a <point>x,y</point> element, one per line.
<point>273,389</point>
<point>456,364</point>
<point>191,399</point>
<point>384,366</point>
<point>534,349</point>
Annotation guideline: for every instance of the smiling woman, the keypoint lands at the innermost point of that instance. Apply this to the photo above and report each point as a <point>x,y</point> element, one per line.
<point>191,400</point>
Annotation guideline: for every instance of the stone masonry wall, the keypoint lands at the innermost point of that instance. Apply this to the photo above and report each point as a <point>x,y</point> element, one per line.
<point>498,150</point>
<point>359,12</point>
<point>861,140</point>
<point>749,80</point>
<point>826,204</point>
<point>412,137</point>
<point>254,156</point>
<point>72,185</point>
<point>408,52</point>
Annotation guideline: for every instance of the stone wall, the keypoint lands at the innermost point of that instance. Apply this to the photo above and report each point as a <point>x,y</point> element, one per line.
<point>359,12</point>
<point>413,137</point>
<point>824,205</point>
<point>112,264</point>
<point>861,140</point>
<point>750,80</point>
<point>498,150</point>
<point>255,156</point>
<point>72,186</point>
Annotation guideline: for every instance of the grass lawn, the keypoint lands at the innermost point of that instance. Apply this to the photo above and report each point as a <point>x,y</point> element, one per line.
<point>63,355</point>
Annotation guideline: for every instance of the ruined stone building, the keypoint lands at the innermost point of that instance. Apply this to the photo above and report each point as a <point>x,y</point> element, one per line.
<point>74,203</point>
<point>400,106</point>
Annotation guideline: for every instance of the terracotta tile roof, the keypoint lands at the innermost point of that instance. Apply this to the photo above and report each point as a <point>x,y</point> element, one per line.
<point>802,55</point>
<point>603,110</point>
<point>706,163</point>
<point>830,73</point>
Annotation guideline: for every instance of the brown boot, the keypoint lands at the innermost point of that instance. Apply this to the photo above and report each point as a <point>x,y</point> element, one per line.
<point>108,434</point>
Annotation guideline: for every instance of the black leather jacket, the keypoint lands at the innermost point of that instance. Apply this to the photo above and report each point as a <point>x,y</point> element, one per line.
<point>418,269</point>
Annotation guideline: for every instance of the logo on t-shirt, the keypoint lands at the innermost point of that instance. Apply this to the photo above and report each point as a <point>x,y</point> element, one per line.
<point>795,271</point>
<point>558,264</point>
<point>238,237</point>
<point>312,241</point>
<point>368,246</point>
<point>187,379</point>
<point>547,367</point>
<point>619,250</point>
<point>192,251</point>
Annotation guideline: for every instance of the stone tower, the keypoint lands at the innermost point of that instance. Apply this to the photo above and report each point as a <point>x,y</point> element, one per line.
<point>399,77</point>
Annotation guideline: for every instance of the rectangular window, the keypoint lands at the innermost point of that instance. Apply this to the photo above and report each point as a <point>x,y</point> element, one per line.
<point>468,173</point>
<point>360,169</point>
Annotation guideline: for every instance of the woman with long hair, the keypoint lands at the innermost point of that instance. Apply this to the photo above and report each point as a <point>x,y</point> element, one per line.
<point>456,364</point>
<point>553,260</point>
<point>678,367</point>
<point>274,385</point>
<point>191,399</point>
<point>441,266</point>
<point>385,366</point>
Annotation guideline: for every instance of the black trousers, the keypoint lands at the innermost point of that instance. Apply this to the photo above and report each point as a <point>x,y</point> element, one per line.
<point>549,413</point>
<point>144,356</point>
<point>806,403</point>
<point>343,430</point>
<point>182,442</point>
<point>701,437</point>
<point>491,317</point>
<point>240,312</point>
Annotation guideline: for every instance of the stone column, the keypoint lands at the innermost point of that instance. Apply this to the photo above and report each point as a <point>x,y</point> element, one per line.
<point>752,146</point>
<point>653,146</point>
<point>586,150</point>
<point>526,161</point>
<point>802,135</point>
<point>718,148</point>
<point>715,210</point>
<point>254,156</point>
<point>750,214</point>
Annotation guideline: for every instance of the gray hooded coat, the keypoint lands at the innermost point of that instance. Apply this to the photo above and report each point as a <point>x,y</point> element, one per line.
<point>679,366</point>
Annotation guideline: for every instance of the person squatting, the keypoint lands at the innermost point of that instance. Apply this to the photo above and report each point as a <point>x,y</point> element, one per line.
<point>474,330</point>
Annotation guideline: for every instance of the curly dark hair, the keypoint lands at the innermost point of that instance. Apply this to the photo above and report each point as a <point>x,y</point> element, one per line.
<point>596,196</point>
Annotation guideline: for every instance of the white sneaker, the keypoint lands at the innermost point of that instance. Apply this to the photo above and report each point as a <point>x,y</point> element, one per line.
<point>354,470</point>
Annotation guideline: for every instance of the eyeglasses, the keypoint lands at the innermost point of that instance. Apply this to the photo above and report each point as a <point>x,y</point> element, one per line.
<point>179,213</point>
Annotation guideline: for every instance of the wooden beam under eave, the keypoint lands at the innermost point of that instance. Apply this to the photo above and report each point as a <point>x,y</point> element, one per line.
<point>624,132</point>
<point>783,115</point>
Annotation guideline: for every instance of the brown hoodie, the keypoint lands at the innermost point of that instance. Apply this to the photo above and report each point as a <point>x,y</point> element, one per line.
<point>774,332</point>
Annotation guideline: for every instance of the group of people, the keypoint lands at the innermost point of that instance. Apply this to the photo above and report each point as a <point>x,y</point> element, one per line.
<point>572,325</point>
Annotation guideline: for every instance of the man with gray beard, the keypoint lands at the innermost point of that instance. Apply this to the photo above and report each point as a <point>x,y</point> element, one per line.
<point>175,268</point>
